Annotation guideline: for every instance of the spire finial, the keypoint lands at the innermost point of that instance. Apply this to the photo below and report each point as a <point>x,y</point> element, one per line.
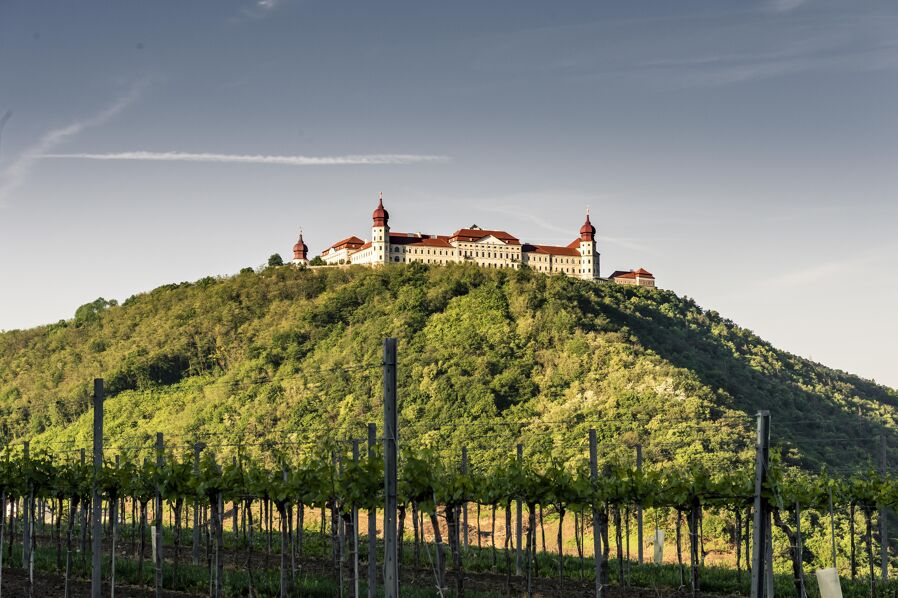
<point>380,198</point>
<point>587,210</point>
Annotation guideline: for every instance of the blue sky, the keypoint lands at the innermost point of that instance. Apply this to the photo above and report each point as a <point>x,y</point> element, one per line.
<point>744,152</point>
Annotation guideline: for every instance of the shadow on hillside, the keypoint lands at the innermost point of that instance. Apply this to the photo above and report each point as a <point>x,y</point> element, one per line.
<point>812,408</point>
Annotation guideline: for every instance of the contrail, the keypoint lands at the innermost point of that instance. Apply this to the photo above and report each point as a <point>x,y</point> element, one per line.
<point>15,175</point>
<point>3,122</point>
<point>347,160</point>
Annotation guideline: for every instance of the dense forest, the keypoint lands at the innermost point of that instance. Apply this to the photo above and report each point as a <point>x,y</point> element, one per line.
<point>487,359</point>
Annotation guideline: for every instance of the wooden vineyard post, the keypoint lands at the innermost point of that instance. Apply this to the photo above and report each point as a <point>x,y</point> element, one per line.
<point>464,505</point>
<point>157,556</point>
<point>197,448</point>
<point>340,524</point>
<point>234,510</point>
<point>114,519</point>
<point>596,524</point>
<point>768,569</point>
<point>832,529</point>
<point>799,550</point>
<point>761,510</point>
<point>519,522</point>
<point>96,576</point>
<point>883,527</point>
<point>372,524</point>
<point>639,538</point>
<point>84,503</point>
<point>26,515</point>
<point>282,513</point>
<point>355,530</point>
<point>2,533</point>
<point>391,438</point>
<point>216,521</point>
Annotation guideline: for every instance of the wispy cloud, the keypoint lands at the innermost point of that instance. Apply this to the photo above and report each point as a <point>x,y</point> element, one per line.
<point>784,5</point>
<point>347,160</point>
<point>513,207</point>
<point>16,174</point>
<point>700,50</point>
<point>258,9</point>
<point>838,269</point>
<point>519,214</point>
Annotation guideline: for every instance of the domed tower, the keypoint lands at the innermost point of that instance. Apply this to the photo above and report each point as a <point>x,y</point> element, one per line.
<point>300,252</point>
<point>589,255</point>
<point>380,233</point>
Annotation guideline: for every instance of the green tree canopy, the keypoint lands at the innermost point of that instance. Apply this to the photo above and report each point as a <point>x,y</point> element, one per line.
<point>275,260</point>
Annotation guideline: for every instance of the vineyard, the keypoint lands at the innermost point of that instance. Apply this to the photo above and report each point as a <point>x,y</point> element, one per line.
<point>358,516</point>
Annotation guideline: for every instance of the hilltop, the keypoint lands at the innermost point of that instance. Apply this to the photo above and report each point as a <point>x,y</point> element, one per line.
<point>486,357</point>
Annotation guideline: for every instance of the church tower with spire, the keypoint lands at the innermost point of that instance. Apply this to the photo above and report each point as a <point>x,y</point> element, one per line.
<point>589,255</point>
<point>380,233</point>
<point>300,252</point>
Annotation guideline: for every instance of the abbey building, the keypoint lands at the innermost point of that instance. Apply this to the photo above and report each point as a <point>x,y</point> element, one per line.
<point>487,248</point>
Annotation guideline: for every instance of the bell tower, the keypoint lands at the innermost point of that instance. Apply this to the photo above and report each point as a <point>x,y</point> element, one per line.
<point>589,255</point>
<point>380,233</point>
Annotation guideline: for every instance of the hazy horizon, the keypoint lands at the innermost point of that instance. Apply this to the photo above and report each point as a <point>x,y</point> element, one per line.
<point>745,154</point>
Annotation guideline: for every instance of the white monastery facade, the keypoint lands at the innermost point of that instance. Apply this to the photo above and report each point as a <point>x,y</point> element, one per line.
<point>486,248</point>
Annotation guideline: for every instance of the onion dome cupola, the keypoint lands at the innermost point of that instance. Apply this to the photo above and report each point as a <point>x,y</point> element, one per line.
<point>587,231</point>
<point>300,250</point>
<point>381,216</point>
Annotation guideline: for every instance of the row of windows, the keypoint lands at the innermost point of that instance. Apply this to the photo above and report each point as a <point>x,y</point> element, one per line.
<point>540,268</point>
<point>477,254</point>
<point>396,258</point>
<point>418,251</point>
<point>484,254</point>
<point>556,260</point>
<point>493,255</point>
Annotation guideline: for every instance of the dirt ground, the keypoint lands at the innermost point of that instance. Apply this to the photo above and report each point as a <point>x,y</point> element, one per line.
<point>549,588</point>
<point>51,585</point>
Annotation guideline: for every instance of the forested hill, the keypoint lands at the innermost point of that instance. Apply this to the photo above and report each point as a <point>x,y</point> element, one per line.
<point>487,358</point>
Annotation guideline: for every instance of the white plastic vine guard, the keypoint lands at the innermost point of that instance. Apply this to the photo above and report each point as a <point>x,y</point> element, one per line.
<point>828,582</point>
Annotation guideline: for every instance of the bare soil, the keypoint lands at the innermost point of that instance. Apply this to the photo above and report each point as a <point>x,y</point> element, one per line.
<point>50,585</point>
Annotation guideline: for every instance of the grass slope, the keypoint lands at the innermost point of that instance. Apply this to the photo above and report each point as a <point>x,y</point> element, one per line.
<point>487,358</point>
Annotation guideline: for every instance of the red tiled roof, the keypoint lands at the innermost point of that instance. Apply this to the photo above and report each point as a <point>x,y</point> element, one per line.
<point>433,242</point>
<point>365,246</point>
<point>419,239</point>
<point>575,244</point>
<point>404,238</point>
<point>469,235</point>
<point>631,274</point>
<point>587,231</point>
<point>347,241</point>
<point>550,250</point>
<point>380,215</point>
